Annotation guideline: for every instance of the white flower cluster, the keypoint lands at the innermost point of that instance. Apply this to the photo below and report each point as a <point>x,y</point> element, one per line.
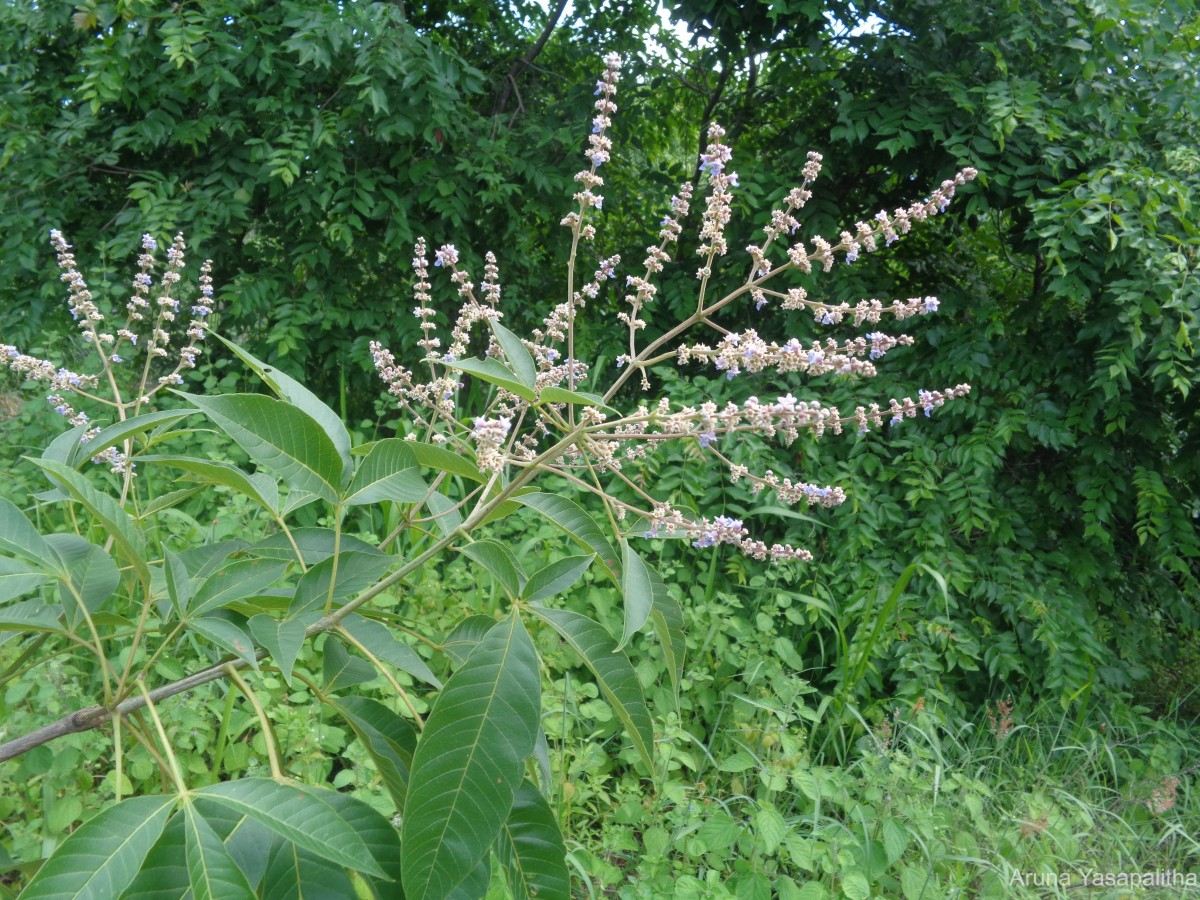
<point>516,438</point>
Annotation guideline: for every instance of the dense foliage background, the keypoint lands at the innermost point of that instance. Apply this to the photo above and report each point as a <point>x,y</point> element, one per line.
<point>303,146</point>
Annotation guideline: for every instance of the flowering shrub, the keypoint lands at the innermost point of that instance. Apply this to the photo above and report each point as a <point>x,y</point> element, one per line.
<point>514,427</point>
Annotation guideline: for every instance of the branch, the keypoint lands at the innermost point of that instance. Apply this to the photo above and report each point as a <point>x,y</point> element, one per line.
<point>530,55</point>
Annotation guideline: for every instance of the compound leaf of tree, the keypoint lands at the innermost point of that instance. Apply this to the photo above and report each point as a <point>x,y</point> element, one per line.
<point>494,372</point>
<point>355,571</point>
<point>465,636</point>
<point>516,354</point>
<point>89,574</point>
<point>297,872</point>
<point>107,512</point>
<point>469,760</point>
<point>432,456</point>
<point>613,672</point>
<point>280,437</point>
<point>667,618</point>
<point>556,578</point>
<point>638,591</point>
<point>259,487</point>
<point>388,472</point>
<point>101,858</point>
<point>164,872</point>
<point>531,848</point>
<point>342,669</point>
<point>227,636</point>
<point>282,639</point>
<point>388,739</point>
<point>31,615</point>
<point>19,537</point>
<point>576,524</point>
<point>239,580</point>
<point>377,832</point>
<point>294,814</point>
<point>500,563</point>
<point>212,873</point>
<point>18,577</point>
<point>378,639</point>
<point>287,388</point>
<point>118,432</point>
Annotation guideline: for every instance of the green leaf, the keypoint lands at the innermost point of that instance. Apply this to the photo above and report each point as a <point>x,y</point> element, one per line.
<point>260,488</point>
<point>179,583</point>
<point>377,832</point>
<point>389,740</point>
<point>164,873</point>
<point>248,842</point>
<point>227,636</point>
<point>516,354</point>
<point>101,858</point>
<point>667,617</point>
<point>855,885</point>
<point>296,873</point>
<point>31,615</point>
<point>106,511</point>
<point>356,571</point>
<point>239,580</point>
<point>315,545</point>
<point>387,472</point>
<point>556,578</point>
<point>638,589</point>
<point>770,827</point>
<point>445,513</point>
<point>19,537</point>
<point>19,577</point>
<point>499,562</point>
<point>494,372</point>
<point>282,639</point>
<point>91,576</point>
<point>577,524</point>
<point>462,640</point>
<point>433,457</point>
<point>378,640</point>
<point>294,814</point>
<point>612,670</point>
<point>469,761</point>
<point>118,432</point>
<point>895,840</point>
<point>531,848</point>
<point>212,873</point>
<point>342,669</point>
<point>287,388</point>
<point>281,438</point>
<point>579,398</point>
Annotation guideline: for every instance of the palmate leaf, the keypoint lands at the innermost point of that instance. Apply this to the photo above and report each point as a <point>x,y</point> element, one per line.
<point>389,740</point>
<point>379,641</point>
<point>294,873</point>
<point>613,672</point>
<point>469,762</point>
<point>282,639</point>
<point>292,812</point>
<point>240,579</point>
<point>531,848</point>
<point>556,578</point>
<point>117,432</point>
<point>281,438</point>
<point>90,575</point>
<point>388,472</point>
<point>494,372</point>
<point>296,394</point>
<point>576,524</point>
<point>19,577</point>
<point>500,563</point>
<point>19,537</point>
<point>258,487</point>
<point>212,873</point>
<point>518,357</point>
<point>101,858</point>
<point>638,590</point>
<point>107,512</point>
